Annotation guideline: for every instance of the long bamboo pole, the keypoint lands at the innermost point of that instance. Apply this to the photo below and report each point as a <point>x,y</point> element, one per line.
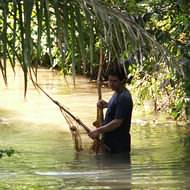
<point>100,114</point>
<point>65,110</point>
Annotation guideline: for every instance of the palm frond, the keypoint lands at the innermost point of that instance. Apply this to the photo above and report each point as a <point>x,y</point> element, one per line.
<point>73,43</point>
<point>3,65</point>
<point>137,35</point>
<point>75,27</point>
<point>48,23</point>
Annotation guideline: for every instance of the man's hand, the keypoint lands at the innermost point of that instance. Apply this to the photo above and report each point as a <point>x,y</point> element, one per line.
<point>94,134</point>
<point>112,125</point>
<point>102,104</point>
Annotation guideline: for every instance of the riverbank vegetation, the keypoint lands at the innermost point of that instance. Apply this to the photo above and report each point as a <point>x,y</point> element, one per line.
<point>150,38</point>
<point>7,152</point>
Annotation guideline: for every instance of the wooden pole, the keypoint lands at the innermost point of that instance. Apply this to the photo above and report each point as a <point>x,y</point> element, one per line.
<point>100,114</point>
<point>65,110</point>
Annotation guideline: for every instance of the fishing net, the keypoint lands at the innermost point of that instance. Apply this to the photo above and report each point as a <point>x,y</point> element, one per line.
<point>74,129</point>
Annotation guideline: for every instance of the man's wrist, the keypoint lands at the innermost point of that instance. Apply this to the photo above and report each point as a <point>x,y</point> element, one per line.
<point>100,129</point>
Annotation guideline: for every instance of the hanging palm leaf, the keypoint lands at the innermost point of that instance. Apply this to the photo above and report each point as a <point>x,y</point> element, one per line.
<point>39,15</point>
<point>74,28</point>
<point>48,24</point>
<point>3,64</point>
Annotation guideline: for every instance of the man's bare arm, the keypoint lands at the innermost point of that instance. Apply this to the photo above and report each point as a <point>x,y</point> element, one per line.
<point>114,124</point>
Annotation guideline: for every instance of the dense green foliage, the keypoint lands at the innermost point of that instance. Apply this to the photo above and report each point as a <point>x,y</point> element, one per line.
<point>68,34</point>
<point>169,22</point>
<point>169,87</point>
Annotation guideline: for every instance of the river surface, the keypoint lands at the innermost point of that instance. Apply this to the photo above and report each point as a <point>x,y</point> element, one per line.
<point>45,157</point>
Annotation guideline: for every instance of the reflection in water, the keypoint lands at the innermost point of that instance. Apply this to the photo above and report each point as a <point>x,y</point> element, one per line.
<point>119,167</point>
<point>46,159</point>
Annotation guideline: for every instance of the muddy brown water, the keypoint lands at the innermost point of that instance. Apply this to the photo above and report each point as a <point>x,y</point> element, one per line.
<point>45,157</point>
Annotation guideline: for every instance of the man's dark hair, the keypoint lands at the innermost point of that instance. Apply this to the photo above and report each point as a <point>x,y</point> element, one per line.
<point>118,71</point>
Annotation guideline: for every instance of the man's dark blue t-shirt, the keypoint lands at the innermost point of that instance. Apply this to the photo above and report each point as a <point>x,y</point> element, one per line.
<point>119,107</point>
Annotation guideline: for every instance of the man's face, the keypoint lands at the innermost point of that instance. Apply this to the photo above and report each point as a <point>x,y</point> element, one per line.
<point>114,83</point>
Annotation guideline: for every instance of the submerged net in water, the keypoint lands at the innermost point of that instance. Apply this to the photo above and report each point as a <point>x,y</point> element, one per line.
<point>73,126</point>
<point>71,120</point>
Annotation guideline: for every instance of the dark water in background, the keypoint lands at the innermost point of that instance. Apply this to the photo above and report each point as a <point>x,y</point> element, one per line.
<point>45,158</point>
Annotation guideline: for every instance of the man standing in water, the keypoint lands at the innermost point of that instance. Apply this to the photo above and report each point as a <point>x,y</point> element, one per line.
<point>116,126</point>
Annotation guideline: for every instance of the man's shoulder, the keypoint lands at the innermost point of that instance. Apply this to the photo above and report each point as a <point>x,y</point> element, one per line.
<point>125,94</point>
<point>125,97</point>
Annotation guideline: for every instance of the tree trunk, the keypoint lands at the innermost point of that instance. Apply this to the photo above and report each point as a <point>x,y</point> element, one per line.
<point>186,86</point>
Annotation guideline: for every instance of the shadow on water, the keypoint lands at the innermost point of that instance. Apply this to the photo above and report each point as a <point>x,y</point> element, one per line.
<point>45,158</point>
